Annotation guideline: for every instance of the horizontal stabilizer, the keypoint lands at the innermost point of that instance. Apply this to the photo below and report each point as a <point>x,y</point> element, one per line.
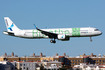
<point>8,33</point>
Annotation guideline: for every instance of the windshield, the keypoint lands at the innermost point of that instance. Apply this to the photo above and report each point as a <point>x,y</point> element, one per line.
<point>96,30</point>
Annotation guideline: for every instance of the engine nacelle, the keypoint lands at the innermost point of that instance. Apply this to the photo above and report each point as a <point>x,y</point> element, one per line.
<point>63,37</point>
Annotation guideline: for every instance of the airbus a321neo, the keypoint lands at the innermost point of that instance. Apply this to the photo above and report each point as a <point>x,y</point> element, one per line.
<point>62,34</point>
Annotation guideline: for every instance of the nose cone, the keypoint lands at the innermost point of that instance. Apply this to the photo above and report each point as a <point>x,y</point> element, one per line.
<point>100,33</point>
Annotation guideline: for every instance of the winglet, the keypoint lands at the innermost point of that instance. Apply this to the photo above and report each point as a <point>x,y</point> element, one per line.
<point>35,26</point>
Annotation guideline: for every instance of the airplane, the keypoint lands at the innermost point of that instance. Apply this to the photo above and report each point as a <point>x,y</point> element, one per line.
<point>63,34</point>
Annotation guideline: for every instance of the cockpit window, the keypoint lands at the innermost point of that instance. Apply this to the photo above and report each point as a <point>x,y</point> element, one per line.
<point>96,30</point>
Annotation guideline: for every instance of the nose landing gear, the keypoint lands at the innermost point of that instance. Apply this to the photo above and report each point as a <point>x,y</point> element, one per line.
<point>90,39</point>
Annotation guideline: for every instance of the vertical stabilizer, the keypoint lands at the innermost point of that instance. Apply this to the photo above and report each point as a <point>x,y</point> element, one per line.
<point>10,25</point>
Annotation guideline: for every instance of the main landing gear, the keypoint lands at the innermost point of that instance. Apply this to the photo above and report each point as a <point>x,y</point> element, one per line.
<point>53,41</point>
<point>90,39</point>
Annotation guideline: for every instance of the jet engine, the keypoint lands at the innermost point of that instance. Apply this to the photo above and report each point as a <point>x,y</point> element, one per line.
<point>63,37</point>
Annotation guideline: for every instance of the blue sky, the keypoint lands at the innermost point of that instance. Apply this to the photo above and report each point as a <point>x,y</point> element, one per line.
<point>53,14</point>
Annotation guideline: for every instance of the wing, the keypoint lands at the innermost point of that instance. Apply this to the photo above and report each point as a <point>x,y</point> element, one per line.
<point>49,34</point>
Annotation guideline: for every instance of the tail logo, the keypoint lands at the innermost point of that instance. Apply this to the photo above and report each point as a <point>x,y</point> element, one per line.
<point>11,27</point>
<point>62,36</point>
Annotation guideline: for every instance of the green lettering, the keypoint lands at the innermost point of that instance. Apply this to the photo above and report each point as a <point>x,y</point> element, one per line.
<point>60,31</point>
<point>51,31</point>
<point>39,33</point>
<point>35,34</point>
<point>55,31</point>
<point>67,32</point>
<point>75,31</point>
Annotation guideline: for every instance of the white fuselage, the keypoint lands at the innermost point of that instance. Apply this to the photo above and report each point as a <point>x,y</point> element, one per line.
<point>70,32</point>
<point>62,34</point>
